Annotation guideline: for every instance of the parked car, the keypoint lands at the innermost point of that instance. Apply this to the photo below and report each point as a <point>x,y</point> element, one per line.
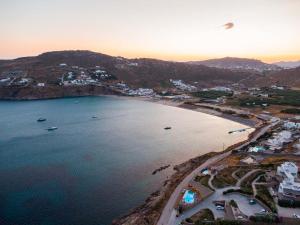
<point>296,216</point>
<point>218,207</point>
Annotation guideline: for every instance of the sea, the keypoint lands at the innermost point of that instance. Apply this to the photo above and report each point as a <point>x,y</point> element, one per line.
<point>98,164</point>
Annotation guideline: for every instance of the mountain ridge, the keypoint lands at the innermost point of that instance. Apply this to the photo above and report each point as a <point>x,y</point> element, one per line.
<point>235,63</point>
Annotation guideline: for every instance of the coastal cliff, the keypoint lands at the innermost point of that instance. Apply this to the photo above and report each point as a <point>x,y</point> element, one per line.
<point>35,93</point>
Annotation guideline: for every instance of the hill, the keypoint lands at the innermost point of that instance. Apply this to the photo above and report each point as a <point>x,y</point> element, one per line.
<point>288,64</point>
<point>50,67</point>
<point>287,77</point>
<point>237,64</point>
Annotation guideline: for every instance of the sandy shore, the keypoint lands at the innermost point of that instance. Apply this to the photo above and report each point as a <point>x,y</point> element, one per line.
<point>181,104</point>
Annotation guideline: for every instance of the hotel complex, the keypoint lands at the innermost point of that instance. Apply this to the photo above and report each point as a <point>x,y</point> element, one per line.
<point>289,187</point>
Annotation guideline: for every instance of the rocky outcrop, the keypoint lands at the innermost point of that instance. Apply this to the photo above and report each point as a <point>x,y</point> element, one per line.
<point>32,93</point>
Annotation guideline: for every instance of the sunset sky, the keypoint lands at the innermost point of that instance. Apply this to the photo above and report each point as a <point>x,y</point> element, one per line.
<point>166,29</point>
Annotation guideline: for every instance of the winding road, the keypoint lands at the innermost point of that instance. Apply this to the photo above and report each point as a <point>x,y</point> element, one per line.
<point>168,216</point>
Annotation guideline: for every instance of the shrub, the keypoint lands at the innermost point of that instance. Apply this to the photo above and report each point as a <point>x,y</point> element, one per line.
<point>289,203</point>
<point>233,203</point>
<point>268,218</point>
<point>242,191</point>
<point>291,111</point>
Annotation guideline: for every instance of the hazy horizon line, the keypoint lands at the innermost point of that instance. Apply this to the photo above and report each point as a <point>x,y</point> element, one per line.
<point>188,58</point>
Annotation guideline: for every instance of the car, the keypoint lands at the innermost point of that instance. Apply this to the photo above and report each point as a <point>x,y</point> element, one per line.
<point>296,216</point>
<point>262,211</point>
<point>252,201</point>
<point>218,207</point>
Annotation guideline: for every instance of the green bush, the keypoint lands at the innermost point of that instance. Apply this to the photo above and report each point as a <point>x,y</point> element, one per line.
<point>268,218</point>
<point>264,196</point>
<point>233,203</point>
<point>242,191</point>
<point>291,111</point>
<point>289,203</point>
<point>211,94</point>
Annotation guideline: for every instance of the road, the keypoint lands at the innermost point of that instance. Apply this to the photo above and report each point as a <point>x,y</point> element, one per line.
<point>242,201</point>
<point>168,216</point>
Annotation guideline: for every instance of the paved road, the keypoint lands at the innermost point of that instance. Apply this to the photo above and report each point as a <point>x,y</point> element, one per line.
<point>242,201</point>
<point>168,216</point>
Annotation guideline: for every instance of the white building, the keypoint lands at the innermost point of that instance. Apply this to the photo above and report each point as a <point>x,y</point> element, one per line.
<point>179,84</point>
<point>279,139</point>
<point>288,168</point>
<point>220,88</point>
<point>41,84</point>
<point>288,187</point>
<point>291,125</point>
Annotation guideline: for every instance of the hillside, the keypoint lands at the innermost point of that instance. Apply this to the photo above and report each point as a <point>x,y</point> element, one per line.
<point>287,77</point>
<point>49,67</point>
<point>288,64</point>
<point>237,64</point>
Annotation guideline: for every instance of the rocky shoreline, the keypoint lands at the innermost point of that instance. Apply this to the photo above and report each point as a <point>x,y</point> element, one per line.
<point>52,92</point>
<point>149,212</point>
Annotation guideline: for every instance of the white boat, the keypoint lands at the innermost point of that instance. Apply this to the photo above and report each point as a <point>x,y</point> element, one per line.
<point>51,128</point>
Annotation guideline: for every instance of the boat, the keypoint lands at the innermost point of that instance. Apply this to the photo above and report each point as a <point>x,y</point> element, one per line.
<point>94,117</point>
<point>41,119</point>
<point>168,128</point>
<point>51,128</point>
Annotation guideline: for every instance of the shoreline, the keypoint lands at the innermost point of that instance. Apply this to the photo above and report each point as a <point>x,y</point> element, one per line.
<point>149,212</point>
<point>179,104</point>
<point>182,105</point>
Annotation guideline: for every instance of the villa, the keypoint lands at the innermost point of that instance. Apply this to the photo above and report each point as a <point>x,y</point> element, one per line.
<point>279,139</point>
<point>289,188</point>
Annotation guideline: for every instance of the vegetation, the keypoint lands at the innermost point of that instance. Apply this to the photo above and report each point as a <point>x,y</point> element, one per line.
<point>276,97</point>
<point>247,183</point>
<point>242,172</point>
<point>220,222</point>
<point>262,179</point>
<point>289,203</point>
<point>202,216</point>
<point>291,111</point>
<point>242,191</point>
<point>203,180</point>
<point>267,218</point>
<point>212,94</point>
<point>264,195</point>
<point>224,178</point>
<point>233,203</point>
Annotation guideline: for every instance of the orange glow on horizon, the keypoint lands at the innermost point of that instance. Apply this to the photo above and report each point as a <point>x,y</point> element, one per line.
<point>164,29</point>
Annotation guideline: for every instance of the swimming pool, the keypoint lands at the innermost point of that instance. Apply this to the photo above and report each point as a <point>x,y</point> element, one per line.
<point>189,197</point>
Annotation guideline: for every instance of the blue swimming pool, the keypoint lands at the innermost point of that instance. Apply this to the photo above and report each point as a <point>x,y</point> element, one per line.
<point>189,197</point>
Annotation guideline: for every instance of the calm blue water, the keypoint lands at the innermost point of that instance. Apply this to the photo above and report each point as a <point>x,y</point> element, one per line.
<point>90,171</point>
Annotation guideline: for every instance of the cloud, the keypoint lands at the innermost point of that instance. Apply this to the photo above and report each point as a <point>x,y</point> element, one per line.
<point>228,26</point>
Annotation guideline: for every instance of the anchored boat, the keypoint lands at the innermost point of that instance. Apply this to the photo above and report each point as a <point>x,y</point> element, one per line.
<point>51,128</point>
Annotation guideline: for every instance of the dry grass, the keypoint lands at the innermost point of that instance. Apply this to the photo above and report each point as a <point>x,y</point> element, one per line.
<point>280,159</point>
<point>232,160</point>
<point>224,178</point>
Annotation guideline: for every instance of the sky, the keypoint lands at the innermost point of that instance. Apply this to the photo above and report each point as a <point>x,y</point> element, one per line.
<point>178,30</point>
